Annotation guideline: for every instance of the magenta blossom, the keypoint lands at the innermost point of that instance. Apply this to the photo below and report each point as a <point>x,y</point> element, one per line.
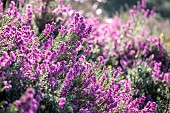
<point>62,102</point>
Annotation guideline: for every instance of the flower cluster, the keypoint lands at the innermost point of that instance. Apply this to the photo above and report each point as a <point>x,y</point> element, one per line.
<point>27,103</point>
<point>80,65</point>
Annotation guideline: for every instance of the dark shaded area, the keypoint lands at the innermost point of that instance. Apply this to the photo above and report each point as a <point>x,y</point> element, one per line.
<point>113,6</point>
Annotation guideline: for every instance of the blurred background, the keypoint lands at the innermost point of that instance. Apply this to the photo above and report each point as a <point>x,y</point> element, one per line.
<point>111,8</point>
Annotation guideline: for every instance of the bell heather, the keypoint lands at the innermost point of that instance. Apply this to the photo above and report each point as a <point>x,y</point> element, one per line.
<point>58,61</point>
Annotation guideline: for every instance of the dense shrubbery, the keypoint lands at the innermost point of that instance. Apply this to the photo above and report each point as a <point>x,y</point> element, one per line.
<point>52,60</point>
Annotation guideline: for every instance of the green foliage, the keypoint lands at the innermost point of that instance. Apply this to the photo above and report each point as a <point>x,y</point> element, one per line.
<point>143,83</point>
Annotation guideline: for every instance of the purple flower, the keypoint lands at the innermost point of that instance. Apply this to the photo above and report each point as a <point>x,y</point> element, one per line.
<point>119,69</point>
<point>12,10</point>
<point>143,3</point>
<point>49,28</point>
<point>62,102</point>
<point>132,13</point>
<point>29,13</point>
<point>7,85</point>
<point>79,27</point>
<point>30,91</point>
<point>27,103</point>
<point>82,110</point>
<point>156,72</point>
<point>132,53</point>
<point>167,77</point>
<point>101,59</point>
<point>86,52</point>
<point>63,30</point>
<point>149,108</point>
<point>12,55</point>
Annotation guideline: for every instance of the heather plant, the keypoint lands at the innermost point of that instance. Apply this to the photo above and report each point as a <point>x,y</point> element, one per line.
<point>154,90</point>
<point>129,44</point>
<point>42,12</point>
<point>67,68</point>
